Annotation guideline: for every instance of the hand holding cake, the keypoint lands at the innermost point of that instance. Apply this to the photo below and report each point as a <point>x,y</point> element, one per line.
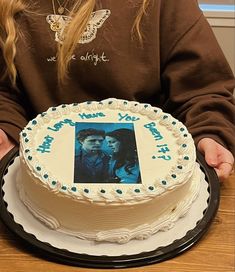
<point>5,144</point>
<point>217,157</point>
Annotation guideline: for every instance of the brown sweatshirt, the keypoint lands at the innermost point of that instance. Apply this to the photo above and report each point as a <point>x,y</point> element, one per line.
<point>180,67</point>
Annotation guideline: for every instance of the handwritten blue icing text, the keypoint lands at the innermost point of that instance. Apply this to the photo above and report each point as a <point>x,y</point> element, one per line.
<point>153,129</point>
<point>91,115</point>
<point>127,117</point>
<point>60,124</point>
<point>45,147</point>
<point>163,152</point>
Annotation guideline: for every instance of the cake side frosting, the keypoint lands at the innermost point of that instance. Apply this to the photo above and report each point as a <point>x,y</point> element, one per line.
<point>116,223</point>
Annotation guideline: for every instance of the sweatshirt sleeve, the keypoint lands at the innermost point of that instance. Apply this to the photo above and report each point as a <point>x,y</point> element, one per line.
<point>13,113</point>
<point>197,78</point>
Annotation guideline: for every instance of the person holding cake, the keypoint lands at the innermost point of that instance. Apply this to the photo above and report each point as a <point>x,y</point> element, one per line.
<point>55,52</point>
<point>123,164</point>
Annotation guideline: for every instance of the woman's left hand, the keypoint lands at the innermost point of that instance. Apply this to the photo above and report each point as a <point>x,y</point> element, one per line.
<point>217,157</point>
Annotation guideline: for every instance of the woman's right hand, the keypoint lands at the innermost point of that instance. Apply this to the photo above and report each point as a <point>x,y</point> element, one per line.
<point>6,144</point>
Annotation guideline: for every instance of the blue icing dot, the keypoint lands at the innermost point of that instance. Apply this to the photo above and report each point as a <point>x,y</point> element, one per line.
<point>63,187</point>
<point>26,140</point>
<point>30,158</point>
<point>181,129</point>
<point>24,134</point>
<point>29,128</point>
<point>137,190</point>
<point>63,106</point>
<point>89,102</point>
<point>186,158</point>
<point>34,122</point>
<point>146,106</point>
<point>74,189</point>
<point>125,102</point>
<point>173,176</point>
<point>53,109</point>
<point>110,102</point>
<point>45,176</point>
<point>151,188</point>
<point>185,135</point>
<point>38,168</point>
<point>53,182</point>
<point>86,191</point>
<point>27,150</point>
<point>102,191</point>
<point>184,145</point>
<point>180,167</point>
<point>173,123</point>
<point>154,157</point>
<point>165,117</point>
<point>156,111</point>
<point>164,182</point>
<point>119,191</point>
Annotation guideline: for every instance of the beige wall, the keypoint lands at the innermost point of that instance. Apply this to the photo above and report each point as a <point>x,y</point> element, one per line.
<point>226,38</point>
<point>223,25</point>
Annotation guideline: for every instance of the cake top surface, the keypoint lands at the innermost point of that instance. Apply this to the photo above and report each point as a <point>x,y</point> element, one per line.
<point>108,151</point>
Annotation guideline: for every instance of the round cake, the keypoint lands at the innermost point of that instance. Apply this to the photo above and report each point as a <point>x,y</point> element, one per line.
<point>111,170</point>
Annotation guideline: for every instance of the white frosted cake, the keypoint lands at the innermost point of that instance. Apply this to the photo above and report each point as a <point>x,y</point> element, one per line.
<point>112,170</point>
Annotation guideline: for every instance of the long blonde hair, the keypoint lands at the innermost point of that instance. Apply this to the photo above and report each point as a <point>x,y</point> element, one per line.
<point>80,16</point>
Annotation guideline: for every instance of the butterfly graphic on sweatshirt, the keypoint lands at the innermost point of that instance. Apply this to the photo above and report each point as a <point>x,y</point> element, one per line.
<point>58,24</point>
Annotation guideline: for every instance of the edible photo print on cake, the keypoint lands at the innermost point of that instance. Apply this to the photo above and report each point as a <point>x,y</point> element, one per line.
<point>106,153</point>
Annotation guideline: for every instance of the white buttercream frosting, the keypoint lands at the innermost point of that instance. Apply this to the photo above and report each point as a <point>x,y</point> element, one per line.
<point>169,175</point>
